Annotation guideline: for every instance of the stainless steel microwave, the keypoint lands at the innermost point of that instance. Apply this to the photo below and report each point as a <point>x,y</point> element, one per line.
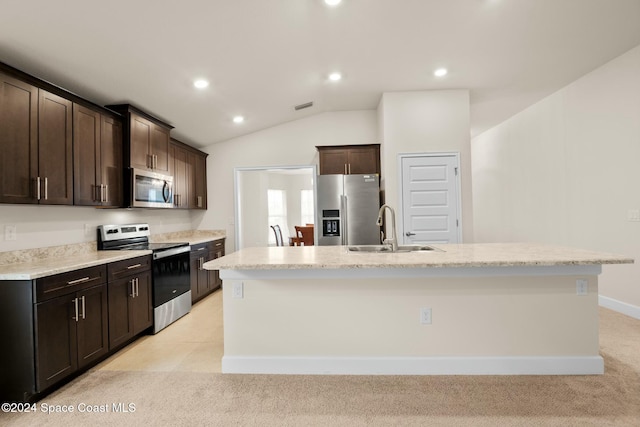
<point>151,189</point>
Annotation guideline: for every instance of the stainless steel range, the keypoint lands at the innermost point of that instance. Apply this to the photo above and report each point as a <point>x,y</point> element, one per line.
<point>170,269</point>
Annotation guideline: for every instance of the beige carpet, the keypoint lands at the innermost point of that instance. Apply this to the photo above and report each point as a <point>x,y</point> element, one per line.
<point>191,398</point>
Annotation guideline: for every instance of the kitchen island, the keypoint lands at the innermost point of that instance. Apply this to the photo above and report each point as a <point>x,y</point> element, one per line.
<point>462,309</point>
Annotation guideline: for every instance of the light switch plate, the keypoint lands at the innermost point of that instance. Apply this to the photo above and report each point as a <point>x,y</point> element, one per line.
<point>633,215</point>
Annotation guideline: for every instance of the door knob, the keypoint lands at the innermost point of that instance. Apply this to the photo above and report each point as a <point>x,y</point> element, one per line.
<point>408,233</point>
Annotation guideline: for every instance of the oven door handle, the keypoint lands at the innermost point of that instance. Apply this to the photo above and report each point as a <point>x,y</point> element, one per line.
<point>171,252</point>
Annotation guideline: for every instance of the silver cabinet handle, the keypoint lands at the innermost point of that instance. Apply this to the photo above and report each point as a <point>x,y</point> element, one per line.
<point>106,193</point>
<point>199,201</point>
<point>134,266</point>
<point>349,168</point>
<point>133,289</point>
<point>75,282</point>
<point>38,188</point>
<point>46,188</point>
<point>83,308</point>
<point>345,168</point>
<point>201,249</point>
<point>137,287</point>
<point>75,302</point>
<point>408,233</point>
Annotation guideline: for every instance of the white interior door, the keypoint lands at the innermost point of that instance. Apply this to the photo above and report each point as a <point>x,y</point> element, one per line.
<point>430,199</point>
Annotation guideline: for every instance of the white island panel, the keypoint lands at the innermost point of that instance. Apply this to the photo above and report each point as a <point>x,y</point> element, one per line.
<point>498,325</point>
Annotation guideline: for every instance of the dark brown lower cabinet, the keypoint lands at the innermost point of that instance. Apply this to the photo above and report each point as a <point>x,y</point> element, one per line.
<point>130,310</point>
<point>58,326</point>
<point>71,332</point>
<point>130,305</point>
<point>204,282</point>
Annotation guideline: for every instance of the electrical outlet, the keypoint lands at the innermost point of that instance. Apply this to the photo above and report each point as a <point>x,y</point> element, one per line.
<point>582,287</point>
<point>425,316</point>
<point>237,290</point>
<point>10,232</point>
<point>633,215</point>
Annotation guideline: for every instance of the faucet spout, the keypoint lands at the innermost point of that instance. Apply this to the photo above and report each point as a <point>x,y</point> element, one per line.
<point>393,241</point>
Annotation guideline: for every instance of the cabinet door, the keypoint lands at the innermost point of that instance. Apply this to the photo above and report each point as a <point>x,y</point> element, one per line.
<point>86,153</point>
<point>199,172</point>
<point>194,267</point>
<point>140,141</point>
<point>55,154</point>
<point>159,148</point>
<point>363,161</point>
<point>120,311</point>
<point>142,308</point>
<point>92,327</point>
<point>56,344</point>
<point>180,177</point>
<point>333,161</point>
<point>111,161</point>
<point>19,140</point>
<point>217,251</point>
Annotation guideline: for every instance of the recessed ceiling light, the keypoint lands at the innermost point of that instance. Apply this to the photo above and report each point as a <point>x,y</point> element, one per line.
<point>201,83</point>
<point>238,119</point>
<point>334,77</point>
<point>332,2</point>
<point>440,72</point>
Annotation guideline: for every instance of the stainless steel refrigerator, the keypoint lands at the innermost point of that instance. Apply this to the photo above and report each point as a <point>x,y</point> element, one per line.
<point>347,210</point>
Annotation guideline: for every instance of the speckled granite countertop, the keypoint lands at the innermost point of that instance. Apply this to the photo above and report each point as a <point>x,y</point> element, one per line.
<point>62,264</point>
<point>193,237</point>
<point>32,264</point>
<point>462,255</point>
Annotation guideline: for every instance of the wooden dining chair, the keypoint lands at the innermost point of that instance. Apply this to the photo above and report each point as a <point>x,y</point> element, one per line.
<point>305,235</point>
<point>278,233</point>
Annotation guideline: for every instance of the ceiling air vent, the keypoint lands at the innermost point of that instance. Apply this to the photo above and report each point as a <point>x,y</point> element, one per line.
<point>302,106</point>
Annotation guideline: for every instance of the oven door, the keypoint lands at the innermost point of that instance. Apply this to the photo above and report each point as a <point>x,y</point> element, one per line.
<point>151,190</point>
<point>171,276</point>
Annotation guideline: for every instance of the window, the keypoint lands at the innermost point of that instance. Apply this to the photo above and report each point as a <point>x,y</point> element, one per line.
<point>277,213</point>
<point>306,207</point>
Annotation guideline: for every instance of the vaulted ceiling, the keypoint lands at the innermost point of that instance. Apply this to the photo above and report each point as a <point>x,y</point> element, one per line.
<point>263,57</point>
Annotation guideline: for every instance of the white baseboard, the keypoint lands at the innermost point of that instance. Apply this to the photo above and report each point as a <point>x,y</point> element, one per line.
<point>619,306</point>
<point>534,365</point>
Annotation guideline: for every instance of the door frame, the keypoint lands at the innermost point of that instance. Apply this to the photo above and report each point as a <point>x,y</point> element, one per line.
<point>401,157</point>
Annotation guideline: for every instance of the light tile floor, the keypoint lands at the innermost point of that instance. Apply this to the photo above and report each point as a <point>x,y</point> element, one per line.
<point>194,343</point>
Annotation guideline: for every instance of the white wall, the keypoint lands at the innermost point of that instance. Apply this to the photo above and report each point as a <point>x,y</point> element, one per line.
<point>44,226</point>
<point>292,143</point>
<point>567,170</point>
<point>425,122</point>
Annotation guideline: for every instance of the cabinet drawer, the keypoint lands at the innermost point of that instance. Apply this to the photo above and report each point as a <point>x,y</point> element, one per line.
<point>65,283</point>
<point>217,244</point>
<point>120,269</point>
<point>200,250</point>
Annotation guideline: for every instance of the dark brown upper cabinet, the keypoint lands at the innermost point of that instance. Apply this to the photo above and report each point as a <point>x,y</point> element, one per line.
<point>36,154</point>
<point>97,150</point>
<point>349,159</point>
<point>146,139</point>
<point>188,168</point>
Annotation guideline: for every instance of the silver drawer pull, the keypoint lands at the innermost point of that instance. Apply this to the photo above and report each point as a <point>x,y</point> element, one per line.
<point>134,266</point>
<point>202,249</point>
<point>75,282</point>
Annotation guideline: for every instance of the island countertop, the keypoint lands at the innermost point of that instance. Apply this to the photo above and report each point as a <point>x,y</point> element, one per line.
<point>449,256</point>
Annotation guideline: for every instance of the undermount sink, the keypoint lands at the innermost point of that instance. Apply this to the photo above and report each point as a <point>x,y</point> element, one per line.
<point>388,249</point>
<point>418,248</point>
<point>370,248</point>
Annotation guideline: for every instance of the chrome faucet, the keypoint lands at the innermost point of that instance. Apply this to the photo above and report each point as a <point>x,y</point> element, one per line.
<point>389,241</point>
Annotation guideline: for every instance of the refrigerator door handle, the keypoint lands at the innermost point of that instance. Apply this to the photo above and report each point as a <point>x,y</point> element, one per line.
<point>345,220</point>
